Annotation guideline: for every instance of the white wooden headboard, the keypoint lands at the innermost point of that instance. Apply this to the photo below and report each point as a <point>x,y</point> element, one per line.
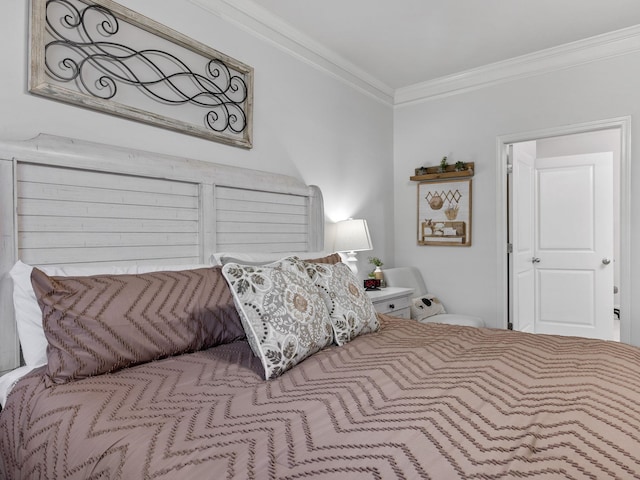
<point>64,201</point>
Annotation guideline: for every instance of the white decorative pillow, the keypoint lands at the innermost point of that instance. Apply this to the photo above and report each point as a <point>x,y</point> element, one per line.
<point>28,316</point>
<point>350,308</point>
<point>27,311</point>
<point>425,307</point>
<point>283,315</point>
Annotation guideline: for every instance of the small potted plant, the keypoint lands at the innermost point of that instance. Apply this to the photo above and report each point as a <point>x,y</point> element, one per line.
<point>460,166</point>
<point>421,171</point>
<point>443,164</point>
<point>377,263</point>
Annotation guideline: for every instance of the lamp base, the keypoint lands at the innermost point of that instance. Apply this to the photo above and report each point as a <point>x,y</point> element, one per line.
<point>352,262</point>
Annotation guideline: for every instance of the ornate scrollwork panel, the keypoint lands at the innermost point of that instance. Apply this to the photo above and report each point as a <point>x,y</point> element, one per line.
<point>101,55</point>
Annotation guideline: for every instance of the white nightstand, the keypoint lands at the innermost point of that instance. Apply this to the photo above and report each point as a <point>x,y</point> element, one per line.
<point>392,301</point>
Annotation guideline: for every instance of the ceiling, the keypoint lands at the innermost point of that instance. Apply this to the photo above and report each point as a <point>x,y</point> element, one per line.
<point>401,43</point>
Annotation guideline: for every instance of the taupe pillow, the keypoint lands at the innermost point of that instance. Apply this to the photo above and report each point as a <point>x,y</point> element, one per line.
<point>103,323</point>
<point>330,259</point>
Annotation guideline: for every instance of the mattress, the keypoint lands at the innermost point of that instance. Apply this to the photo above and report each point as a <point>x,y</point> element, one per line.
<point>409,401</point>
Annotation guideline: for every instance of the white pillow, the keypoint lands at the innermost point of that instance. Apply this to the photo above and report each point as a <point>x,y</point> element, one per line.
<point>27,311</point>
<point>426,306</point>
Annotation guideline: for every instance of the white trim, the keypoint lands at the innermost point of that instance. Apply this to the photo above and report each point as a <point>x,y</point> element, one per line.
<point>629,333</point>
<point>619,42</point>
<point>258,21</point>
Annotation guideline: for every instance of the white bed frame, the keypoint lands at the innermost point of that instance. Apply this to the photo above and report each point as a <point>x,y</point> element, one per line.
<point>64,201</point>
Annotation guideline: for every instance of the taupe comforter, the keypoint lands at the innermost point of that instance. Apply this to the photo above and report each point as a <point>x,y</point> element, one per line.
<point>411,401</point>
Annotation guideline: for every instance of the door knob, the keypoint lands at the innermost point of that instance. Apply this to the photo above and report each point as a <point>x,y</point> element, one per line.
<point>606,261</point>
<point>535,260</point>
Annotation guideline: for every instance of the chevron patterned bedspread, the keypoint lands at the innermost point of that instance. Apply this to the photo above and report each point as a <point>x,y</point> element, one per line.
<point>412,401</point>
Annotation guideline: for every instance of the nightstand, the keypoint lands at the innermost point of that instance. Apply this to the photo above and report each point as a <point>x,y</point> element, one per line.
<point>392,301</point>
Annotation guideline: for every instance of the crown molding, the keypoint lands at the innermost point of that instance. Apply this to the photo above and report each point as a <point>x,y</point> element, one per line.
<point>599,47</point>
<point>258,21</point>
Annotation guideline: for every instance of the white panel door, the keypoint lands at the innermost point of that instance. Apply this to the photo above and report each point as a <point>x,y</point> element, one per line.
<point>522,293</point>
<point>573,245</point>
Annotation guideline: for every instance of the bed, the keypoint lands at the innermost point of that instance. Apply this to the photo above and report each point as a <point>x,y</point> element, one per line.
<point>370,397</point>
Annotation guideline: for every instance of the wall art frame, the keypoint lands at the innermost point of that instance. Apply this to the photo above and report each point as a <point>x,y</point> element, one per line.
<point>100,55</point>
<point>444,212</point>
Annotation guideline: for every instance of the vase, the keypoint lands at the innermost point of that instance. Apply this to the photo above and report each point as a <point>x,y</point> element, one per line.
<point>378,275</point>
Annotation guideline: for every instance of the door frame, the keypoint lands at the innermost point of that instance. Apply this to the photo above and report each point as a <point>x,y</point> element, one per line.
<point>628,332</point>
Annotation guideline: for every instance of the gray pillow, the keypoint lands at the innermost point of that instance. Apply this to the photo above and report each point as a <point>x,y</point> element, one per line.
<point>283,314</point>
<point>351,311</point>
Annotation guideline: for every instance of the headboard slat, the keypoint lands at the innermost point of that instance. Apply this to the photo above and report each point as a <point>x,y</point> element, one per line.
<point>73,193</point>
<point>88,240</point>
<point>279,222</point>
<point>77,176</point>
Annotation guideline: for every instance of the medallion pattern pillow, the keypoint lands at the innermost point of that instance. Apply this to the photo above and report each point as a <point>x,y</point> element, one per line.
<point>350,308</point>
<point>283,315</point>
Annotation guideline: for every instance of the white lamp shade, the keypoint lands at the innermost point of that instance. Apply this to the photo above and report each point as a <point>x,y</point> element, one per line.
<point>352,236</point>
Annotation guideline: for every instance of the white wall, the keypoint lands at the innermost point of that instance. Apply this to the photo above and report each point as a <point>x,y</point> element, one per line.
<point>307,123</point>
<point>465,127</point>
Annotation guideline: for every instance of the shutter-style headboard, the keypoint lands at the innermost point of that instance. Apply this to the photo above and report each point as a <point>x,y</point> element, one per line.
<point>64,201</point>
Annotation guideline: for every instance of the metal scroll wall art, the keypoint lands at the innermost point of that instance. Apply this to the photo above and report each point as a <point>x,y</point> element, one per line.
<point>100,55</point>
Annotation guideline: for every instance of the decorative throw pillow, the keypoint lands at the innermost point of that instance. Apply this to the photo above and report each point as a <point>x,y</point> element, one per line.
<point>102,323</point>
<point>350,308</point>
<point>330,259</point>
<point>33,341</point>
<point>425,307</point>
<point>283,315</point>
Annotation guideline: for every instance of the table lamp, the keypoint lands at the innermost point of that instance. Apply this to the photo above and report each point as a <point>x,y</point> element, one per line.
<point>352,236</point>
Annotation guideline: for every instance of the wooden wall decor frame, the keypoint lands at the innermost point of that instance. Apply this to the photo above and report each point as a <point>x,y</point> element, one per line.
<point>444,212</point>
<point>100,55</point>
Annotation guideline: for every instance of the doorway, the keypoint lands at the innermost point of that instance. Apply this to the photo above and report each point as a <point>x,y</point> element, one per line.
<point>552,145</point>
<point>561,228</point>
